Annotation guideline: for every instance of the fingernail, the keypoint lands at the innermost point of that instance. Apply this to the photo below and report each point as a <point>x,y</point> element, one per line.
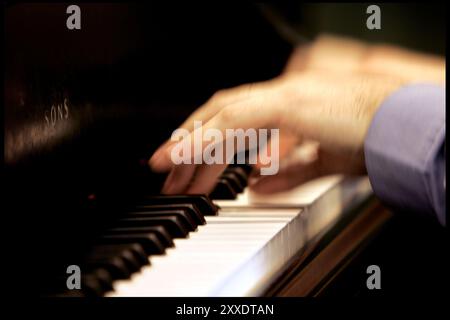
<point>159,161</point>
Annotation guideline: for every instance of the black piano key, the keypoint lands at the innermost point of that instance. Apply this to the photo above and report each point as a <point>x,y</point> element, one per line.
<point>246,167</point>
<point>223,191</point>
<point>202,202</point>
<point>56,285</point>
<point>239,173</point>
<point>116,266</point>
<point>186,219</point>
<point>172,224</point>
<point>91,285</point>
<point>103,281</point>
<point>128,258</point>
<point>159,231</point>
<point>148,241</point>
<point>94,282</point>
<point>130,251</point>
<point>189,208</point>
<point>140,254</point>
<point>70,294</point>
<point>233,181</point>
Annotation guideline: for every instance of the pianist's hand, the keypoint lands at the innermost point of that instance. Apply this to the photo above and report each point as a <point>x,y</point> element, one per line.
<point>332,109</point>
<point>323,102</point>
<point>346,55</point>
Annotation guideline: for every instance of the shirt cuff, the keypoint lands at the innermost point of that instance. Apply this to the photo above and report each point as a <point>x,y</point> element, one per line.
<point>404,150</point>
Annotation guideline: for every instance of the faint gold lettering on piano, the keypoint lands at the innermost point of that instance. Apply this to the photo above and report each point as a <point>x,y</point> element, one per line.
<point>57,112</point>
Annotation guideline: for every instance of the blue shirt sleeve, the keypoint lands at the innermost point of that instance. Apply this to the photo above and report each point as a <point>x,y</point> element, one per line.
<point>405,150</point>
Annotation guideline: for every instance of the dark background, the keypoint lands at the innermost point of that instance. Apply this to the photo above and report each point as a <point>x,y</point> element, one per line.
<point>419,26</point>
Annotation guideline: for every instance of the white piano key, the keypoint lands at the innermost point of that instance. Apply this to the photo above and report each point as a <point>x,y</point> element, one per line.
<point>212,248</point>
<point>237,252</point>
<point>300,196</point>
<point>259,212</point>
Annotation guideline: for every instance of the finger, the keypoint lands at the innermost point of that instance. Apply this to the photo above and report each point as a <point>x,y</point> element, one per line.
<point>178,179</point>
<point>239,115</point>
<point>236,116</point>
<point>286,144</point>
<point>214,104</point>
<point>159,161</point>
<point>219,100</point>
<point>205,179</point>
<point>206,112</point>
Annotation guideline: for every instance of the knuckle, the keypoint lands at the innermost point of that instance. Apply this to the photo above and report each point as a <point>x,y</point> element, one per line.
<point>227,114</point>
<point>376,55</point>
<point>217,96</point>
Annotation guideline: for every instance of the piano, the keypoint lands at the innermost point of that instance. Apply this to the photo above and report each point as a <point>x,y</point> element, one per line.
<point>85,109</point>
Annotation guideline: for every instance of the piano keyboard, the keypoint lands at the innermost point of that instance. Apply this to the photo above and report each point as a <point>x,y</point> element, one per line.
<point>234,246</point>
